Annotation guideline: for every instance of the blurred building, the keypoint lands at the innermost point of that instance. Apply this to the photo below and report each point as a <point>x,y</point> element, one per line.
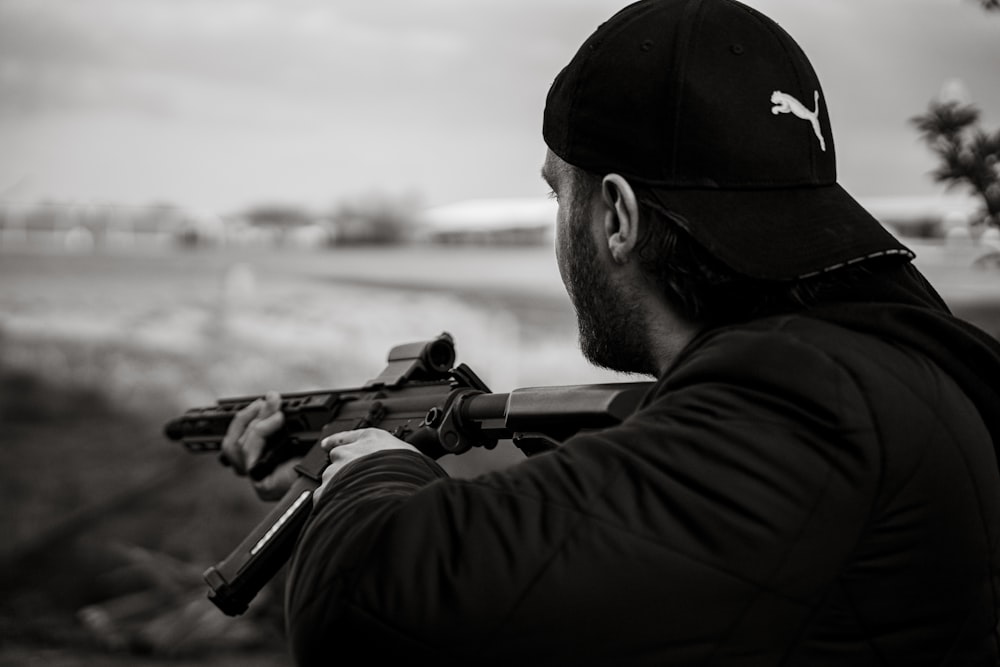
<point>532,220</point>
<point>527,221</point>
<point>84,227</point>
<point>932,216</point>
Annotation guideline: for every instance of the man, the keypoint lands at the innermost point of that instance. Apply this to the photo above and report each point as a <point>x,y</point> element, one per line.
<point>811,480</point>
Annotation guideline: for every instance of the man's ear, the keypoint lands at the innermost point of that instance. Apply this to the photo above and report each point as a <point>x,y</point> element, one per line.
<point>621,217</point>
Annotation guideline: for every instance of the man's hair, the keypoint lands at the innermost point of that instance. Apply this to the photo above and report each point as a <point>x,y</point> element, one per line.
<point>702,287</point>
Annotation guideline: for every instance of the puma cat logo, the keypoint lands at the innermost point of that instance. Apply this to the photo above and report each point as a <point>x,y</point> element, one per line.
<point>785,103</point>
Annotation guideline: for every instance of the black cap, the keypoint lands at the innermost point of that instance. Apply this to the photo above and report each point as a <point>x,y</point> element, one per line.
<point>715,108</point>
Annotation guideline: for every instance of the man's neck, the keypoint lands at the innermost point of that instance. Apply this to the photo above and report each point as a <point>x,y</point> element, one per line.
<point>667,332</point>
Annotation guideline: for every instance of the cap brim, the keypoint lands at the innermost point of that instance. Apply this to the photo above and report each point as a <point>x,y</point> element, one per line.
<point>784,233</point>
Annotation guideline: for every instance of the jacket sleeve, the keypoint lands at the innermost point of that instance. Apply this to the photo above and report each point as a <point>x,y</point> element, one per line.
<point>719,511</point>
<point>400,561</point>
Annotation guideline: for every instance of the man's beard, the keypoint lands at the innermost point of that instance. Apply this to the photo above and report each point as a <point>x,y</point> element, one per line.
<point>612,332</point>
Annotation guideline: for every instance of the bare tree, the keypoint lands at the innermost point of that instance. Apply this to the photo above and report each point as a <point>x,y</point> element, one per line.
<point>969,155</point>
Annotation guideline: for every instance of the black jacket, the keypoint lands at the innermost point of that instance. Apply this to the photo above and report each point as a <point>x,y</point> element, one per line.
<point>812,488</point>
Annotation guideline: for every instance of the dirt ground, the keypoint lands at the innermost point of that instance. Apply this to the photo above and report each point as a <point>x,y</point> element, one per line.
<point>108,526</point>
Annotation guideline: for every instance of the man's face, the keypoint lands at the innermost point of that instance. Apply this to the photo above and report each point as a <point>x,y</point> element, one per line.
<point>611,329</point>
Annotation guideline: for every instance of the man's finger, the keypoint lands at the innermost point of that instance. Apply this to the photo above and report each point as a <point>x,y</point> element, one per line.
<point>345,438</point>
<point>275,485</point>
<point>256,436</point>
<point>272,403</point>
<point>235,431</point>
<point>245,416</point>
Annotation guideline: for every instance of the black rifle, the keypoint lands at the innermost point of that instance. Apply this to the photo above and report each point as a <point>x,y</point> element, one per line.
<point>420,398</point>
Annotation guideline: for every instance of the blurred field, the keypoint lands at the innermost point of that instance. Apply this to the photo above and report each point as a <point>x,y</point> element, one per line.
<point>103,516</point>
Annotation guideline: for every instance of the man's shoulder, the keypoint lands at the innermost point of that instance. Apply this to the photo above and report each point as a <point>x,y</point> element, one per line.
<point>781,341</point>
<point>814,358</point>
<point>783,329</point>
<point>795,355</point>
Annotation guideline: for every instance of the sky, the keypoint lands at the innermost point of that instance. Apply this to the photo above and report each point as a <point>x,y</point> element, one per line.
<point>216,105</point>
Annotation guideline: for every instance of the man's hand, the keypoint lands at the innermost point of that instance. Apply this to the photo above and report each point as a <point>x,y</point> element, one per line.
<point>348,446</point>
<point>245,440</point>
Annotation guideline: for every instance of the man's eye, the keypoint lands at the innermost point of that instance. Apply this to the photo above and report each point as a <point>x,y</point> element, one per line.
<point>553,195</point>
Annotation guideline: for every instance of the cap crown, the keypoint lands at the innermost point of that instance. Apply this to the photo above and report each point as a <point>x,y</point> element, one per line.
<point>693,93</point>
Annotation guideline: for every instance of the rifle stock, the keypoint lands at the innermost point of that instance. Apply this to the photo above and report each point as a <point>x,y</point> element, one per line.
<point>419,398</point>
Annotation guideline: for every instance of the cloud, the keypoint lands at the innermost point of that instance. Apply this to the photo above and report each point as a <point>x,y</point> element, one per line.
<point>252,40</point>
<point>445,96</point>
